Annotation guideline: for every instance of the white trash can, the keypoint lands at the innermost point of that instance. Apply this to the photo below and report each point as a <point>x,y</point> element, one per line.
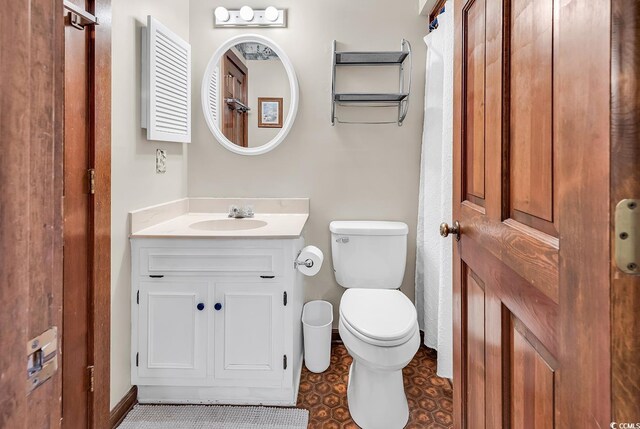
<point>317,317</point>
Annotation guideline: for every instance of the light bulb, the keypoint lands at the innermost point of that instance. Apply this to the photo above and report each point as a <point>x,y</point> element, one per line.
<point>222,14</point>
<point>246,13</point>
<point>271,13</point>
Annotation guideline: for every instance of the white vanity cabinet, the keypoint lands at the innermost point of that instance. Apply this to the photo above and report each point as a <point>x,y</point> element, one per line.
<point>216,320</point>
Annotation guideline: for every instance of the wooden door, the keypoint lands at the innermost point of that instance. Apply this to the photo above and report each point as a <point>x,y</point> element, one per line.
<point>31,206</point>
<point>249,332</point>
<point>235,87</point>
<point>77,226</point>
<point>172,337</point>
<point>531,193</point>
<point>31,49</point>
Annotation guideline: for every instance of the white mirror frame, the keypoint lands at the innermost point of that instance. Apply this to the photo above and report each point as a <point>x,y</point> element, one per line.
<point>293,104</point>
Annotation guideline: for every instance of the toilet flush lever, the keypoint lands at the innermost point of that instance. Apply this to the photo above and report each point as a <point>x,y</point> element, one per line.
<point>342,240</point>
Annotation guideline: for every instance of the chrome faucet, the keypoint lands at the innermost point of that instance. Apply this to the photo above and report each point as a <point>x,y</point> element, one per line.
<point>240,212</point>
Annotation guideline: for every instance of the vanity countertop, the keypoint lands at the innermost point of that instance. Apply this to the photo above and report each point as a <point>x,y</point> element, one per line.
<point>277,226</point>
<point>207,218</point>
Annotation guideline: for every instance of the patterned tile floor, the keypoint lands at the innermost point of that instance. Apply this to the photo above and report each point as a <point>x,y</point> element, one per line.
<point>325,395</point>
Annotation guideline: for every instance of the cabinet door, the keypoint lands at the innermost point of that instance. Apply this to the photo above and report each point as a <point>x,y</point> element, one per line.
<point>249,346</point>
<point>172,341</point>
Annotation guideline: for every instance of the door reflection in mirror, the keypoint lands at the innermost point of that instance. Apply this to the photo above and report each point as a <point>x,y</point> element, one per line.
<point>253,94</point>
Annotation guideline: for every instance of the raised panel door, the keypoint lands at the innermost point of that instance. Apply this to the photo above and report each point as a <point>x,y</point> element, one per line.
<point>249,331</point>
<point>172,335</point>
<point>530,173</point>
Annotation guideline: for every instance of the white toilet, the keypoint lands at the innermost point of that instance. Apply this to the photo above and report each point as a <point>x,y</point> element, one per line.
<point>378,323</point>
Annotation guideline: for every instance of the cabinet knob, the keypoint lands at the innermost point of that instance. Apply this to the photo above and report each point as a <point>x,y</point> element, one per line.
<point>218,306</point>
<point>200,306</point>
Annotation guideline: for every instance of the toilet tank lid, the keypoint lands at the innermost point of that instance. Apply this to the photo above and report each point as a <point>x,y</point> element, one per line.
<point>361,227</point>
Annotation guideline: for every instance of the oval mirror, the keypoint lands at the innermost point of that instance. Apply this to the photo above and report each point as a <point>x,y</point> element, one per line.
<point>249,94</point>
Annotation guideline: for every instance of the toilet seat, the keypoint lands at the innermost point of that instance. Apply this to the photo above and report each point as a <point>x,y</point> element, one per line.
<point>381,317</point>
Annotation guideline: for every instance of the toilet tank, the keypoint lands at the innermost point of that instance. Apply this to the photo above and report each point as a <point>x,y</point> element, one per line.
<point>369,254</point>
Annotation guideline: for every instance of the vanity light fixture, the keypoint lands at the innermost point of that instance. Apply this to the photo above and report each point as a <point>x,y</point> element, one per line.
<point>246,13</point>
<point>271,14</point>
<point>222,14</point>
<point>249,17</point>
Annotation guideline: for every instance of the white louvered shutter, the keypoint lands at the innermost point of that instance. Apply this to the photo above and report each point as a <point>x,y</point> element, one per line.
<point>214,103</point>
<point>166,84</point>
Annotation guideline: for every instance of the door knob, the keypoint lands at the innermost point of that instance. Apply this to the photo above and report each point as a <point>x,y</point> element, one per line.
<point>218,306</point>
<point>445,230</point>
<point>200,306</point>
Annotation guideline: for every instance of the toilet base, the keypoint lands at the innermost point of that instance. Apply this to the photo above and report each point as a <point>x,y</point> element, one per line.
<point>376,398</point>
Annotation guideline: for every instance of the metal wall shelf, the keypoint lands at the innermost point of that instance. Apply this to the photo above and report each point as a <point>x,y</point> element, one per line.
<point>373,58</point>
<point>370,58</point>
<point>370,98</point>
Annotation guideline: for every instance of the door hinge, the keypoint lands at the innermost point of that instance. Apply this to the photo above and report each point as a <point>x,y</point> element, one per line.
<point>92,181</point>
<point>138,297</point>
<point>627,238</point>
<point>91,372</point>
<point>137,359</point>
<point>284,362</point>
<point>284,298</point>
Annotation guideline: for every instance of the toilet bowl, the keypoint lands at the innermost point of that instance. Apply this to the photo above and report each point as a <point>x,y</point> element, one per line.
<point>380,347</point>
<point>378,323</point>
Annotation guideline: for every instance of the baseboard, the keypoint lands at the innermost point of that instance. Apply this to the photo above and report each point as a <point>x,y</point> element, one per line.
<point>217,395</point>
<point>123,407</point>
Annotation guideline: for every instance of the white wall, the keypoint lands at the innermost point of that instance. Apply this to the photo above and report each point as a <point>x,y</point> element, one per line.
<point>266,79</point>
<point>135,183</point>
<point>426,6</point>
<point>348,171</point>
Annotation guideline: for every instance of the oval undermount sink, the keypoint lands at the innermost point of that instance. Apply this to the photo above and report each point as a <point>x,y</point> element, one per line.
<point>228,224</point>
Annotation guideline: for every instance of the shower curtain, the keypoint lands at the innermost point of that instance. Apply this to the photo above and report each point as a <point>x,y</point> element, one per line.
<point>433,253</point>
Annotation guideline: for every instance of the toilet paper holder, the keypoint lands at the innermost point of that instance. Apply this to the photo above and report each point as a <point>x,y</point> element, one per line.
<point>307,262</point>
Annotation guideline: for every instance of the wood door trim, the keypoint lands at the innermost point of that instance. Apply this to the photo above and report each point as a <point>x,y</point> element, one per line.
<point>435,10</point>
<point>625,183</point>
<point>100,300</point>
<point>231,56</point>
<point>98,63</point>
<point>459,307</point>
<point>78,224</point>
<point>99,207</point>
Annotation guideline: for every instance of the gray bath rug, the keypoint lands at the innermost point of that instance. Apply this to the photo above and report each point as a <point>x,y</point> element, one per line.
<point>214,417</point>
